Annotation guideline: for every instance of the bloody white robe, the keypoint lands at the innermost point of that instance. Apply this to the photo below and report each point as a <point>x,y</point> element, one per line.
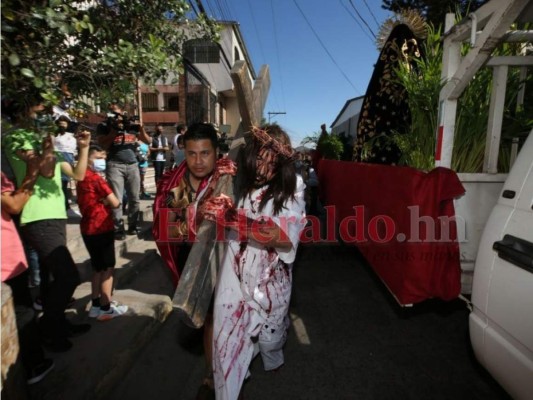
<point>252,296</point>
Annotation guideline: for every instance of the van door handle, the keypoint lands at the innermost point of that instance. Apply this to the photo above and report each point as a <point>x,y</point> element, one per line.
<point>515,250</point>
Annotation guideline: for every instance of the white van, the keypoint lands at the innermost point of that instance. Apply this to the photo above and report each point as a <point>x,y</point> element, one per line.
<point>501,323</point>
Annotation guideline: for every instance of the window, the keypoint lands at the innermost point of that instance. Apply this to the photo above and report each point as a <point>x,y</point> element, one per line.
<point>237,54</point>
<point>201,51</point>
<point>171,102</point>
<point>149,102</point>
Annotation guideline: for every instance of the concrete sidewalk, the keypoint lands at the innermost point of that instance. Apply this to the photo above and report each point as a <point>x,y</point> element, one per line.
<point>100,358</point>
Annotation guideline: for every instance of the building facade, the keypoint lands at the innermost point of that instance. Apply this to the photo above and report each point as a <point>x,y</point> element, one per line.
<point>205,90</point>
<point>347,119</point>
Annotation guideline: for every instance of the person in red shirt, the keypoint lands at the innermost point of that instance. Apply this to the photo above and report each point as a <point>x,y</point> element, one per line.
<point>96,200</point>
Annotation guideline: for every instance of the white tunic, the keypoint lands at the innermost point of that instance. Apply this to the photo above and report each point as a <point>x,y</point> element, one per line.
<point>253,294</point>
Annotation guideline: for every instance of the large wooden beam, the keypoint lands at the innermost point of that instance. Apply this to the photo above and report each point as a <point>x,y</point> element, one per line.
<point>502,17</point>
<point>245,98</point>
<point>494,129</point>
<point>260,93</point>
<point>511,61</point>
<point>461,31</point>
<point>251,101</point>
<point>194,293</point>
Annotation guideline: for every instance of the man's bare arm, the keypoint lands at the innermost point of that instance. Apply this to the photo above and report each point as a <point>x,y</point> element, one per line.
<point>143,135</point>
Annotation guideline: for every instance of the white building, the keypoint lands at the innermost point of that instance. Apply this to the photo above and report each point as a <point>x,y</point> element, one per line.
<point>346,121</point>
<point>205,91</point>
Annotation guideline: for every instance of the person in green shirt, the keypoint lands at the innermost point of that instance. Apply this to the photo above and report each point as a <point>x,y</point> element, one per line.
<point>43,219</point>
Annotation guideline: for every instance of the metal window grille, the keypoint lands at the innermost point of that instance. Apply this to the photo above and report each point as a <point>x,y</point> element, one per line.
<point>149,102</point>
<point>199,51</point>
<point>196,101</point>
<point>171,102</point>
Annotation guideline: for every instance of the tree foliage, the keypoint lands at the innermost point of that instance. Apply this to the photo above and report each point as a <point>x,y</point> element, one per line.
<point>423,85</point>
<point>311,139</point>
<point>434,11</point>
<point>330,147</point>
<point>93,48</point>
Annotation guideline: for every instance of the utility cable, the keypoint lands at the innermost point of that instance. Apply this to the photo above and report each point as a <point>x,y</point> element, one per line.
<point>193,7</point>
<point>362,19</point>
<point>225,9</point>
<point>261,49</point>
<point>201,7</point>
<point>371,13</point>
<point>356,21</point>
<point>325,48</point>
<point>278,53</point>
<point>212,13</point>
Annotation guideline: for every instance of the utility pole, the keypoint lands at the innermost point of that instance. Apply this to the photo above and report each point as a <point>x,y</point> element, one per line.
<point>270,113</point>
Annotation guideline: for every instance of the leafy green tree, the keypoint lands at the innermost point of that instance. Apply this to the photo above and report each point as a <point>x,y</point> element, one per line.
<point>330,147</point>
<point>311,139</point>
<point>97,49</point>
<point>434,11</point>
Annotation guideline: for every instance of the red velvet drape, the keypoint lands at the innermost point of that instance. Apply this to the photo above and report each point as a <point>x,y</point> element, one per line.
<point>408,236</point>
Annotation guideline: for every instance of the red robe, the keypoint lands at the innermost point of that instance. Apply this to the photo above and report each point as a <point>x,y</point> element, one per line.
<point>169,249</point>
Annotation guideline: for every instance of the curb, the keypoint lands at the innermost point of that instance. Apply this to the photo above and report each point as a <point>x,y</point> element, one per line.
<point>102,357</point>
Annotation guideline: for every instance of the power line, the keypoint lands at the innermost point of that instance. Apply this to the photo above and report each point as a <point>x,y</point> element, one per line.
<point>362,19</point>
<point>222,13</point>
<point>193,7</point>
<point>271,113</point>
<point>212,13</point>
<point>371,13</point>
<point>201,7</point>
<point>278,53</point>
<point>261,47</point>
<point>356,21</point>
<point>225,6</point>
<point>256,31</point>
<point>325,48</point>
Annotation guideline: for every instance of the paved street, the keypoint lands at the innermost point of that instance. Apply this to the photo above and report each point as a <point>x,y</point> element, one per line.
<point>349,340</point>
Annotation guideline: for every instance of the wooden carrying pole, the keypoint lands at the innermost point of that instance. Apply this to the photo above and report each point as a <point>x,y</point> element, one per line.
<point>196,285</point>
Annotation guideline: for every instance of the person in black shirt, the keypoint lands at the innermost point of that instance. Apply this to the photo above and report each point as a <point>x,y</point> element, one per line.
<point>122,171</point>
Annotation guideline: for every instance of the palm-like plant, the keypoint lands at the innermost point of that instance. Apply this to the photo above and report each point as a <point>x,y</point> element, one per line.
<point>423,85</point>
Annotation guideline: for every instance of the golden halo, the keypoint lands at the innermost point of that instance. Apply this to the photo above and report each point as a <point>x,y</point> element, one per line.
<point>411,18</point>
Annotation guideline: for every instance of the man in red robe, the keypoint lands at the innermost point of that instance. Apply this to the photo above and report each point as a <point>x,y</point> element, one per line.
<point>180,192</point>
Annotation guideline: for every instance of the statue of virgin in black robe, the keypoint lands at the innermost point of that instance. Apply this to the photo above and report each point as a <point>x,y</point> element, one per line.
<point>385,109</point>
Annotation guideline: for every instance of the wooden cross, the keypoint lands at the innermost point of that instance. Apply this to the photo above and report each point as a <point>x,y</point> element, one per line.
<point>251,101</point>
<point>195,287</point>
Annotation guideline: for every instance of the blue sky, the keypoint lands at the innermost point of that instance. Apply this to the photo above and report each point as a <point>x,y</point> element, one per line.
<point>306,83</point>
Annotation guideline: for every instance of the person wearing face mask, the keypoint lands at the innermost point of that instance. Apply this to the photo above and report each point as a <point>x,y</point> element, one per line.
<point>96,199</point>
<point>254,280</point>
<point>65,143</point>
<point>158,151</point>
<point>43,218</point>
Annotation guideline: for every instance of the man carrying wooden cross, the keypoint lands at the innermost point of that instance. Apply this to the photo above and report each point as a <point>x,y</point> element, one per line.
<point>180,193</point>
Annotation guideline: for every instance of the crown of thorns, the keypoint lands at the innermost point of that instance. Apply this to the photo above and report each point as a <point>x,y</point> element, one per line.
<point>266,140</point>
